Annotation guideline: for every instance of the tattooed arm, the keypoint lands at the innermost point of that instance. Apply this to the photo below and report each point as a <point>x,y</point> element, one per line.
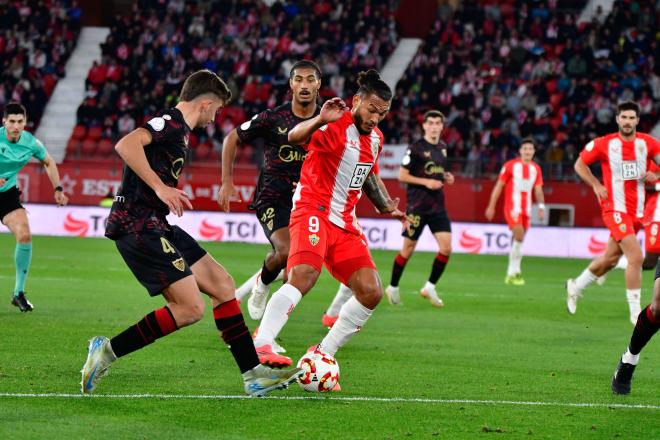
<point>375,190</point>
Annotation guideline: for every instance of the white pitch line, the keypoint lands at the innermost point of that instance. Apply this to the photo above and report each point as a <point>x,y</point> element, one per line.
<point>342,399</point>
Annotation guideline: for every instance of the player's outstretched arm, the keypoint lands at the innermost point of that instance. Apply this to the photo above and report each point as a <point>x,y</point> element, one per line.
<point>227,189</point>
<point>406,177</point>
<point>54,176</point>
<point>332,110</point>
<point>582,170</point>
<point>131,149</point>
<point>494,196</point>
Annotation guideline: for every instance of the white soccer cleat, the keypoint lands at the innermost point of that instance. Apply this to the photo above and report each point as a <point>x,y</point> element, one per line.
<point>601,280</point>
<point>428,291</point>
<point>572,296</point>
<point>258,299</point>
<point>99,358</point>
<point>393,296</point>
<point>244,289</point>
<point>261,380</point>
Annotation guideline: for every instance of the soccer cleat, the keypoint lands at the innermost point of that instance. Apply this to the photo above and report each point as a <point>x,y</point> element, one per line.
<point>393,296</point>
<point>329,321</point>
<point>515,280</point>
<point>21,302</point>
<point>267,356</point>
<point>277,348</point>
<point>99,358</point>
<point>258,299</point>
<point>572,296</point>
<point>261,380</point>
<point>601,280</point>
<point>428,291</point>
<point>621,382</point>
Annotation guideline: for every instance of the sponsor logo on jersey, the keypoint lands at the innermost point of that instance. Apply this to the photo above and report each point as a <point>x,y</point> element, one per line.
<point>282,130</point>
<point>288,153</point>
<point>427,154</point>
<point>179,264</point>
<point>432,168</point>
<point>314,239</point>
<point>177,167</point>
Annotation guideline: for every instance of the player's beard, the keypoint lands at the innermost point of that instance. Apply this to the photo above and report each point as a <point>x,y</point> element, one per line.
<point>627,131</point>
<point>359,124</point>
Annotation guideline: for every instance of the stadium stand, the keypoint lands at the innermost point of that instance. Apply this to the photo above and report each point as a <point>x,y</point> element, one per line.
<point>36,39</point>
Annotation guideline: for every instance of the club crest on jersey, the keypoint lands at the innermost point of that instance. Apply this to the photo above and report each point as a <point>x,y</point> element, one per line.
<point>652,240</point>
<point>374,147</point>
<point>179,264</point>
<point>314,239</point>
<point>622,227</point>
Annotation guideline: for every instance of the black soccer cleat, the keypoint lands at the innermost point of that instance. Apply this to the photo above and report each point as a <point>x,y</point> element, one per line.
<point>21,302</point>
<point>621,382</point>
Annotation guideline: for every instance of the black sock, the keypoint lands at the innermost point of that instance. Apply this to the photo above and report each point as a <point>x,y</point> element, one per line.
<point>153,326</point>
<point>645,328</point>
<point>267,276</point>
<point>439,265</point>
<point>230,322</point>
<point>397,269</point>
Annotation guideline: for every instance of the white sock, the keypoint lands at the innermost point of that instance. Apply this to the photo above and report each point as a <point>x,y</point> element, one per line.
<point>260,284</point>
<point>352,318</point>
<point>277,314</point>
<point>429,285</point>
<point>343,295</point>
<point>246,287</point>
<point>630,358</point>
<point>515,257</point>
<point>634,296</point>
<point>586,278</point>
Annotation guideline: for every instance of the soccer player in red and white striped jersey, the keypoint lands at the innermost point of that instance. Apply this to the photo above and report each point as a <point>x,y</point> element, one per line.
<point>625,158</point>
<point>341,163</point>
<point>518,178</point>
<point>652,223</point>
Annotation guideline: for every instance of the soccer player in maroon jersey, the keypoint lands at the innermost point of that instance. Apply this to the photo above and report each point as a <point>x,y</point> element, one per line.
<point>423,169</point>
<point>624,157</point>
<point>164,258</point>
<point>343,149</point>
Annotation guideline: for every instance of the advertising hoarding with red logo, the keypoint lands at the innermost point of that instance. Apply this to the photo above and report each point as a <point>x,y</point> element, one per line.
<point>475,238</point>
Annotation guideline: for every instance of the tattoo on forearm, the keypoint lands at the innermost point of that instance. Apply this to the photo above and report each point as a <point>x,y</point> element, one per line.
<point>375,193</point>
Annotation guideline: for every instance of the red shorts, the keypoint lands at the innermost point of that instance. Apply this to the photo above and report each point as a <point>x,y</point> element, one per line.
<point>315,240</point>
<point>651,238</point>
<point>621,224</point>
<point>519,220</point>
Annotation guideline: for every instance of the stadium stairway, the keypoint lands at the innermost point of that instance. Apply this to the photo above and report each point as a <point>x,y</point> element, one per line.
<point>399,60</point>
<point>590,8</point>
<point>60,114</point>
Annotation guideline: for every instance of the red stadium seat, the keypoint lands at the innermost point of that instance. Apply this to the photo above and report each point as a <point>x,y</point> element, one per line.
<point>79,132</point>
<point>88,147</point>
<point>202,152</point>
<point>105,147</point>
<point>73,147</point>
<point>94,133</point>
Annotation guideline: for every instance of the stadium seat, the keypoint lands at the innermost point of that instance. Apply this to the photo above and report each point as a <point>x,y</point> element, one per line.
<point>94,133</point>
<point>88,147</point>
<point>79,132</point>
<point>73,148</point>
<point>105,147</point>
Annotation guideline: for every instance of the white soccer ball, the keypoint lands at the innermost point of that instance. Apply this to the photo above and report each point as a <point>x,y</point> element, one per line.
<point>321,372</point>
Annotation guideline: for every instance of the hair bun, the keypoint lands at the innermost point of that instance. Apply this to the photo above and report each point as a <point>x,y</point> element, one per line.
<point>368,77</point>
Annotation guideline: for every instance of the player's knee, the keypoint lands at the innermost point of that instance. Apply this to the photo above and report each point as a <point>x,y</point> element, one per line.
<point>195,311</point>
<point>23,236</point>
<point>635,260</point>
<point>369,292</point>
<point>303,277</point>
<point>445,249</point>
<point>282,253</point>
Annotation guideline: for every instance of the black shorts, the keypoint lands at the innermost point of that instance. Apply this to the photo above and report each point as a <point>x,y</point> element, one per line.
<point>438,222</point>
<point>159,259</point>
<point>10,200</point>
<point>273,218</point>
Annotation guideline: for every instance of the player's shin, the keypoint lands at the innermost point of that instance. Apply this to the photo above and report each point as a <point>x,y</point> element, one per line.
<point>277,313</point>
<point>22,259</point>
<point>229,320</point>
<point>647,326</point>
<point>153,326</point>
<point>352,317</point>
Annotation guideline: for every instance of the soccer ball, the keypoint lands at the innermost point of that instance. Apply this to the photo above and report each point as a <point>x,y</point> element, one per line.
<point>321,372</point>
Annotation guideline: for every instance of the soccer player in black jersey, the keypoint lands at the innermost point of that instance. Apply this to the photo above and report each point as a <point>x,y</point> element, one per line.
<point>164,258</point>
<point>272,198</point>
<point>423,170</point>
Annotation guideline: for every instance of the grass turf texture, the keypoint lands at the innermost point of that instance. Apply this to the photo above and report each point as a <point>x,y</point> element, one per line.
<point>490,342</point>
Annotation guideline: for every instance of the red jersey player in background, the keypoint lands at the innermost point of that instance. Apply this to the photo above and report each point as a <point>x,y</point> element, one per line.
<point>624,157</point>
<point>652,222</point>
<point>518,177</point>
<point>343,150</point>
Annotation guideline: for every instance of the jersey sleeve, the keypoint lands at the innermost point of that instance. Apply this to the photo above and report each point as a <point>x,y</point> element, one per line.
<point>257,127</point>
<point>654,150</point>
<point>163,128</point>
<point>38,150</point>
<point>408,158</point>
<point>539,176</point>
<point>324,139</point>
<point>591,152</point>
<point>505,173</point>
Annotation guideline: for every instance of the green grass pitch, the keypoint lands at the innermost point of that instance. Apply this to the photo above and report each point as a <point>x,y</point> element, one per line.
<point>469,370</point>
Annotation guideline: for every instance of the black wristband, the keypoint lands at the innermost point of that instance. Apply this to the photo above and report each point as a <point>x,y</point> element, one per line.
<point>59,188</point>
